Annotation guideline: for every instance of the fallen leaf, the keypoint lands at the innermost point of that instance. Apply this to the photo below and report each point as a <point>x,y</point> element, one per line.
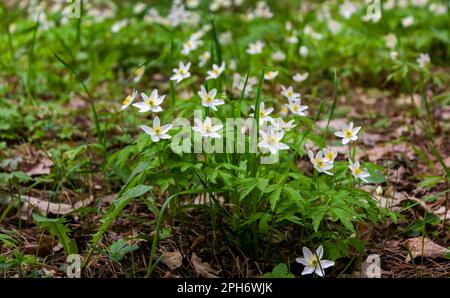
<point>420,246</point>
<point>41,168</point>
<point>202,269</point>
<point>173,260</point>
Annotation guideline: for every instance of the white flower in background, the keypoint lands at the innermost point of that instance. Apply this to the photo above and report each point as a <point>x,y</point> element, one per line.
<point>330,153</point>
<point>419,3</point>
<point>278,56</point>
<point>284,110</point>
<point>423,60</point>
<point>289,93</point>
<point>279,124</point>
<point>191,45</point>
<point>393,55</point>
<point>403,3</point>
<point>389,4</point>
<point>216,71</point>
<point>334,26</point>
<point>295,106</point>
<point>313,261</point>
<point>233,65</point>
<point>357,171</point>
<point>263,10</point>
<point>139,7</point>
<point>288,26</point>
<point>157,132</point>
<point>226,38</point>
<point>303,51</point>
<point>255,48</point>
<point>204,58</point>
<point>270,75</point>
<point>119,25</point>
<point>438,9</point>
<point>300,77</point>
<point>181,73</point>
<point>138,74</point>
<point>391,40</point>
<point>263,113</point>
<point>239,83</point>
<point>271,140</point>
<point>209,98</point>
<point>293,39</point>
<point>206,128</point>
<point>192,3</point>
<point>129,100</point>
<point>408,21</point>
<point>150,103</point>
<point>321,164</point>
<point>347,9</point>
<point>348,133</point>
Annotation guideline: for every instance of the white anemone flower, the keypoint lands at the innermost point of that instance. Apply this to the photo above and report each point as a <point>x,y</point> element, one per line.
<point>357,171</point>
<point>157,132</point>
<point>255,48</point>
<point>348,133</point>
<point>204,58</point>
<point>209,98</point>
<point>206,128</point>
<point>296,108</point>
<point>216,71</point>
<point>289,93</point>
<point>423,60</point>
<point>407,21</point>
<point>321,164</point>
<point>279,124</point>
<point>191,45</point>
<point>129,100</point>
<point>150,103</point>
<point>313,261</point>
<point>271,140</point>
<point>263,113</point>
<point>181,73</point>
<point>278,56</point>
<point>330,154</point>
<point>303,51</point>
<point>300,77</point>
<point>270,75</point>
<point>138,74</point>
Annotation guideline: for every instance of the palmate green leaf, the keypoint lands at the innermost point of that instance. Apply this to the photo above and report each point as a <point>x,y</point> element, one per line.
<point>59,230</point>
<point>317,214</point>
<point>119,249</point>
<point>274,197</point>
<point>344,216</point>
<point>280,271</point>
<point>113,212</point>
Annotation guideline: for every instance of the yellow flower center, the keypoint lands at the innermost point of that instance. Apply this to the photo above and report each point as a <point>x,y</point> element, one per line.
<point>358,171</point>
<point>208,98</point>
<point>289,93</point>
<point>181,71</point>
<point>314,261</point>
<point>320,163</point>
<point>127,100</point>
<point>150,102</point>
<point>330,155</point>
<point>208,128</point>
<point>295,108</point>
<point>348,133</point>
<point>139,71</point>
<point>271,140</point>
<point>216,71</point>
<point>157,130</point>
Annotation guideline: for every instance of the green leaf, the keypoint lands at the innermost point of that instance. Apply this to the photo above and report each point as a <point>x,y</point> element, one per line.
<point>280,271</point>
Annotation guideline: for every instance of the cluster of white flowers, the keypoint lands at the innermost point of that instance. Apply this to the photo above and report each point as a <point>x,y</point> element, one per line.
<point>262,10</point>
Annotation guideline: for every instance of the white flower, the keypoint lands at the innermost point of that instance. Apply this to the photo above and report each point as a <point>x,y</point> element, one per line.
<point>138,74</point>
<point>263,10</point>
<point>206,129</point>
<point>334,26</point>
<point>181,73</point>
<point>204,58</point>
<point>292,39</point>
<point>357,171</point>
<point>321,164</point>
<point>263,113</point>
<point>289,93</point>
<point>270,75</point>
<point>226,38</point>
<point>288,26</point>
<point>157,132</point>
<point>208,98</point>
<point>151,103</point>
<point>278,56</point>
<point>255,48</point>
<point>216,71</point>
<point>348,133</point>
<point>330,153</point>
<point>295,106</point>
<point>391,40</point>
<point>438,9</point>
<point>280,125</point>
<point>347,9</point>
<point>423,60</point>
<point>271,140</point>
<point>119,25</point>
<point>393,55</point>
<point>303,51</point>
<point>129,100</point>
<point>191,45</point>
<point>139,7</point>
<point>313,261</point>
<point>233,65</point>
<point>300,77</point>
<point>408,21</point>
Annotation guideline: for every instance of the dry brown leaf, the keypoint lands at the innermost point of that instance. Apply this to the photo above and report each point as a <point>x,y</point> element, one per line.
<point>41,168</point>
<point>202,269</point>
<point>173,260</point>
<point>420,246</point>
